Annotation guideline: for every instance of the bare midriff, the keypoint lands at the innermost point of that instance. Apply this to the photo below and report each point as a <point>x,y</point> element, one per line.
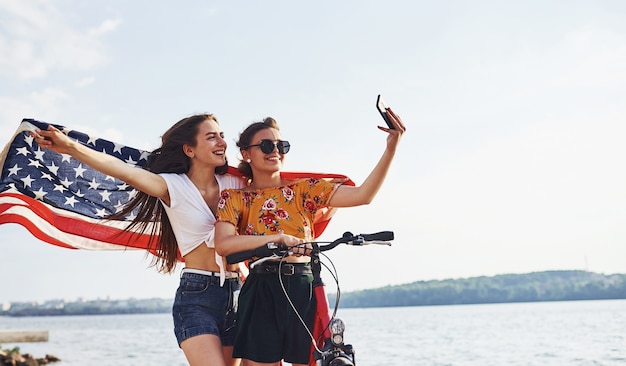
<point>203,258</point>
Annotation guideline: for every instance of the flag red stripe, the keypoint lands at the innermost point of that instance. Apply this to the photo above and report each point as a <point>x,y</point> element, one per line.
<point>6,218</point>
<point>65,231</point>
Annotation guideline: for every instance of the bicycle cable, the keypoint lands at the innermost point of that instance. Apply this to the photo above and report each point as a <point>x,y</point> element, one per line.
<point>332,272</point>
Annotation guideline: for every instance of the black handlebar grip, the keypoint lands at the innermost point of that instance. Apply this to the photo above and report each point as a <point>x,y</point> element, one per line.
<point>240,256</point>
<point>266,250</point>
<point>380,236</point>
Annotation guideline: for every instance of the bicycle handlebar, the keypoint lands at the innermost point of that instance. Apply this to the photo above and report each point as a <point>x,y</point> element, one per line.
<point>348,238</point>
<point>279,250</point>
<point>266,250</point>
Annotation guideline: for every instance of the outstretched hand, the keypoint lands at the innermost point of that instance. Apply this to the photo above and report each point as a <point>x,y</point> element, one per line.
<point>396,133</point>
<point>52,139</point>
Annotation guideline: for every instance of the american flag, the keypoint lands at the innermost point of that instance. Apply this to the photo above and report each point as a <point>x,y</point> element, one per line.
<point>61,200</point>
<point>64,202</point>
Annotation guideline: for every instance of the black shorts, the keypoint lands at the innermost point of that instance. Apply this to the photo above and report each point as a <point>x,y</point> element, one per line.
<point>268,329</point>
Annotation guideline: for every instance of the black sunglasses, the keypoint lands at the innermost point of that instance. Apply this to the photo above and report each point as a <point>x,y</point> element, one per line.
<point>267,146</point>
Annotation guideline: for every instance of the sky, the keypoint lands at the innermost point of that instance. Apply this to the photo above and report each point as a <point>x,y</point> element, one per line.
<point>513,159</point>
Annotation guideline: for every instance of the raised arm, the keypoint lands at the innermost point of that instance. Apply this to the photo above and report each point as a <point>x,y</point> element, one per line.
<point>141,179</point>
<point>346,196</point>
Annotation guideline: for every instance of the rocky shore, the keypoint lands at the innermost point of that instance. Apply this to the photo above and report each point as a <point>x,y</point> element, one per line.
<point>13,357</point>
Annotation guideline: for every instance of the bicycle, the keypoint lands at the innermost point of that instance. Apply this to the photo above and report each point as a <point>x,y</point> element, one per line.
<point>327,341</point>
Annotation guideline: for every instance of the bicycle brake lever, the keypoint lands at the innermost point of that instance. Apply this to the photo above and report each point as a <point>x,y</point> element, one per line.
<point>259,261</point>
<point>387,243</point>
<point>275,247</point>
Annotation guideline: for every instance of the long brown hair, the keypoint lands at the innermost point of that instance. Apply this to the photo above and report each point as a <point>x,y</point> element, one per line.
<point>169,158</point>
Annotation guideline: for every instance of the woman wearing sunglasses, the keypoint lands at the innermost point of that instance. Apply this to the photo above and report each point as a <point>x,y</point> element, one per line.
<point>273,209</point>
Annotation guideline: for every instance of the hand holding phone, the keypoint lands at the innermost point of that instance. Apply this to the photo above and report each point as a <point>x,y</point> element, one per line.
<point>382,108</point>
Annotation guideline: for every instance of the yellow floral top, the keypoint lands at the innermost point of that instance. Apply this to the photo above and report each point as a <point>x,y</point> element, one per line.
<point>289,209</point>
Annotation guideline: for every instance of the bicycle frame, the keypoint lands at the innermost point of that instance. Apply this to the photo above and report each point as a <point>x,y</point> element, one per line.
<point>321,332</point>
<point>324,350</point>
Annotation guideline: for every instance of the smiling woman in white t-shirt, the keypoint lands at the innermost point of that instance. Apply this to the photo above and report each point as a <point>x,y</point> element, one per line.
<point>179,188</point>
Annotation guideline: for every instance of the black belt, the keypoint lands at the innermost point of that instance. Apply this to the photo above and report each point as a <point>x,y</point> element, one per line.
<point>286,269</point>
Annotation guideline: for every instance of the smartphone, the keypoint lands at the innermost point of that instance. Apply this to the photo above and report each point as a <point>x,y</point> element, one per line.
<point>382,108</point>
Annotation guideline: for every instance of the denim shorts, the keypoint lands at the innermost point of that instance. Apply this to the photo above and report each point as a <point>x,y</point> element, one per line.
<point>201,306</point>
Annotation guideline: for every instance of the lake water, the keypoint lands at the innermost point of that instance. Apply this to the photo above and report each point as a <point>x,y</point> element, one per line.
<point>546,333</point>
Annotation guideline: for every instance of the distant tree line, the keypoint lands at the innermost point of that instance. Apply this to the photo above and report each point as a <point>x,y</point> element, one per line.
<point>91,307</point>
<point>530,287</point>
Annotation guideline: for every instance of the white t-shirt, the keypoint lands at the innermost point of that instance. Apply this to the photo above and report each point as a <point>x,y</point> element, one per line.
<point>192,220</point>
